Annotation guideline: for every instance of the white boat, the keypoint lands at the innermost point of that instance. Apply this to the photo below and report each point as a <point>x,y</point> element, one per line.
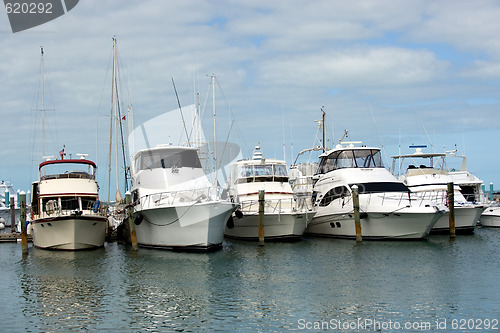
<point>176,205</point>
<point>387,209</point>
<point>426,175</point>
<point>491,216</point>
<point>66,212</point>
<point>285,218</point>
<point>7,192</point>
<point>471,188</point>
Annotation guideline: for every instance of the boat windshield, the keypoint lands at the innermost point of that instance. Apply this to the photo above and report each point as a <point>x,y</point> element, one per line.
<point>260,173</point>
<point>167,158</point>
<point>352,158</point>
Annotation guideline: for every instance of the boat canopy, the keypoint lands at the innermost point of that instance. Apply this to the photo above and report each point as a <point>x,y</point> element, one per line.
<point>350,158</point>
<point>167,158</point>
<point>70,161</point>
<point>262,172</point>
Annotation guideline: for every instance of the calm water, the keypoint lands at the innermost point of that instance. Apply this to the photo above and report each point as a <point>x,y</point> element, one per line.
<point>313,285</point>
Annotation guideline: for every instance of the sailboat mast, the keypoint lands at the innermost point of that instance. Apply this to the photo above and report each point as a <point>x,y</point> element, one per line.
<point>43,111</point>
<point>111,117</point>
<point>116,120</point>
<point>215,132</point>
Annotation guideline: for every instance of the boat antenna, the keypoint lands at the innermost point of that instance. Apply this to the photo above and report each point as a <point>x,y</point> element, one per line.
<point>324,127</point>
<point>426,134</point>
<point>182,115</point>
<point>378,134</point>
<point>343,136</point>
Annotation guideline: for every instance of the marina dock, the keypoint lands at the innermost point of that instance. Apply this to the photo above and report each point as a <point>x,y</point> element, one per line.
<point>12,237</point>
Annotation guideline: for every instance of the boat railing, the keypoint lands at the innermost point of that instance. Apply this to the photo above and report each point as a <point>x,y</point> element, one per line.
<point>67,175</point>
<point>401,198</point>
<point>275,206</point>
<point>168,198</point>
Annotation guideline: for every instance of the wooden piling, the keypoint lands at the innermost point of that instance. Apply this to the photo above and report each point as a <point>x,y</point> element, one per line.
<point>130,215</point>
<point>12,214</point>
<point>261,217</point>
<point>24,234</point>
<point>357,221</point>
<point>451,207</point>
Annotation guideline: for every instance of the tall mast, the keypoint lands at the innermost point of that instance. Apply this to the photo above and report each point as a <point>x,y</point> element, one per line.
<point>116,119</point>
<point>111,117</point>
<point>43,111</point>
<point>215,134</point>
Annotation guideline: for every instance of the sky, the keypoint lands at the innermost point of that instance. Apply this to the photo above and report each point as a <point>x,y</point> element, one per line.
<point>392,73</point>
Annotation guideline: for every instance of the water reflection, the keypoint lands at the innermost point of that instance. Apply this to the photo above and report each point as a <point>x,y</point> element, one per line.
<point>250,288</point>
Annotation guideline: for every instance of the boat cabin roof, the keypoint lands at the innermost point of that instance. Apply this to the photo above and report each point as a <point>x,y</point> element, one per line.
<point>70,161</point>
<point>341,148</point>
<point>419,155</point>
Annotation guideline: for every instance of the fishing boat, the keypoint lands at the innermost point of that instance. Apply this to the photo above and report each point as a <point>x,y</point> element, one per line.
<point>427,175</point>
<point>176,205</point>
<point>386,207</point>
<point>65,209</point>
<point>284,218</point>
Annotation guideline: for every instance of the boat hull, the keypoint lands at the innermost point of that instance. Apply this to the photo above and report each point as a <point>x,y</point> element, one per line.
<point>490,217</point>
<point>69,232</point>
<point>198,226</point>
<point>465,220</point>
<point>276,226</point>
<point>375,225</point>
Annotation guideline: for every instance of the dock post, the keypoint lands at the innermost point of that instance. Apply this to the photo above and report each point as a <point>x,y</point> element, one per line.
<point>261,217</point>
<point>130,216</point>
<point>12,215</point>
<point>24,234</point>
<point>451,207</point>
<point>357,222</point>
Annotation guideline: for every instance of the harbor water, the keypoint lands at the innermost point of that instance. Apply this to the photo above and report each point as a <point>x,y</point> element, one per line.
<point>312,285</point>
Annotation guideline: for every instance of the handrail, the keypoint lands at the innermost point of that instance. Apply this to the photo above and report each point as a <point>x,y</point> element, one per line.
<point>167,198</point>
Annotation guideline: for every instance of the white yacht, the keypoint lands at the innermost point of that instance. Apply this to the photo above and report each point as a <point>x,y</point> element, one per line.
<point>491,216</point>
<point>426,175</point>
<point>176,205</point>
<point>66,211</point>
<point>471,188</point>
<point>387,209</point>
<point>285,218</point>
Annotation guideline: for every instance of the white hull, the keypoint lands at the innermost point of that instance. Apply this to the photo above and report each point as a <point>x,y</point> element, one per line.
<point>69,233</point>
<point>490,217</point>
<point>403,225</point>
<point>276,226</point>
<point>465,220</point>
<point>198,226</point>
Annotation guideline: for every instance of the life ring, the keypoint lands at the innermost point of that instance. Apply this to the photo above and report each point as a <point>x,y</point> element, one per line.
<point>96,206</point>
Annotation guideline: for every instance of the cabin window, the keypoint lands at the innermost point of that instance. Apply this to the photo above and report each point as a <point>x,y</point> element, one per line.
<point>280,170</point>
<point>356,158</point>
<point>335,193</point>
<point>70,203</point>
<point>162,159</point>
<point>263,170</point>
<point>245,171</point>
<point>50,205</point>
<point>380,187</point>
<point>88,203</point>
